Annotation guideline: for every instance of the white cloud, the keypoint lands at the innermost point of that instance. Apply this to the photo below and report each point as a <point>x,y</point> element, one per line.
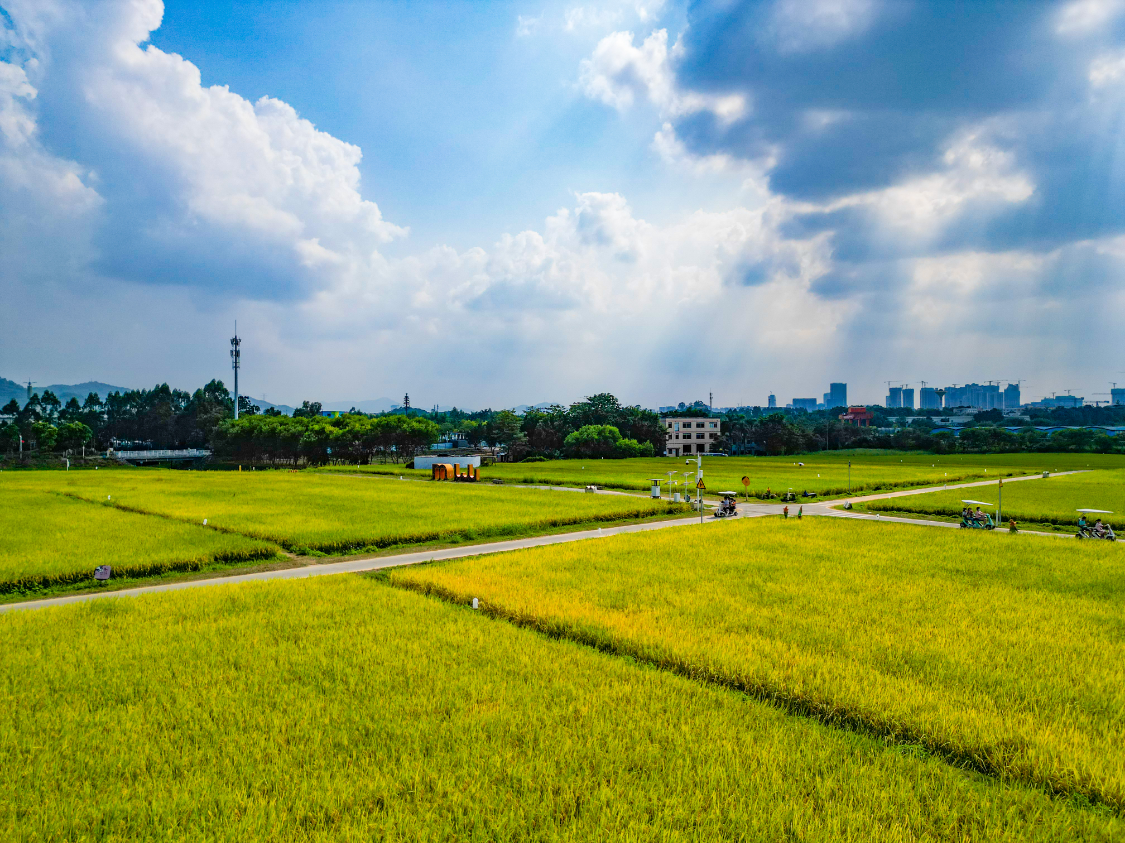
<point>189,168</point>
<point>528,26</point>
<point>617,73</point>
<point>599,296</point>
<point>974,173</point>
<point>1084,16</point>
<point>1107,69</point>
<point>798,26</point>
<point>590,17</point>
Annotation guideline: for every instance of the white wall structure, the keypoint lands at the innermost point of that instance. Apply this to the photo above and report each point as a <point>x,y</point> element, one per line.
<point>431,461</point>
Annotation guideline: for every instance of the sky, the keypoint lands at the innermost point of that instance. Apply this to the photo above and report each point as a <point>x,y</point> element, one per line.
<point>493,204</point>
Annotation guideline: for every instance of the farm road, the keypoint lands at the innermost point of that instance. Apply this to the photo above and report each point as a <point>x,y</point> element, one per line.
<point>360,565</point>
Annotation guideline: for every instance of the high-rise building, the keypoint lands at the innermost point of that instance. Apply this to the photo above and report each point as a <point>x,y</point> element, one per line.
<point>978,396</point>
<point>894,398</point>
<point>837,395</point>
<point>772,402</point>
<point>907,399</point>
<point>1012,396</point>
<point>804,404</point>
<point>1117,395</point>
<point>928,399</point>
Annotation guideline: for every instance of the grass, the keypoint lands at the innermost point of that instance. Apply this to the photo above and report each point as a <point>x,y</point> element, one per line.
<point>1053,501</point>
<point>340,709</point>
<point>48,541</point>
<point>306,512</point>
<point>1002,654</point>
<point>825,473</point>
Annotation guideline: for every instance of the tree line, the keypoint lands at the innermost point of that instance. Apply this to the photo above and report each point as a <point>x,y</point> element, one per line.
<point>598,426</point>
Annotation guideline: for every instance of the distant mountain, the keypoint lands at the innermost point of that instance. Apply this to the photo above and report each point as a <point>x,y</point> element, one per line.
<point>523,408</point>
<point>11,389</point>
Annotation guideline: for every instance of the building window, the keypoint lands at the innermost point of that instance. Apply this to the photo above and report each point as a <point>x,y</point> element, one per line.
<point>711,424</point>
<point>699,436</point>
<point>677,427</point>
<point>699,424</point>
<point>710,435</point>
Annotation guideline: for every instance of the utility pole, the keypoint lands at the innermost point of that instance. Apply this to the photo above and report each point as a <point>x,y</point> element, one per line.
<point>710,403</point>
<point>236,363</point>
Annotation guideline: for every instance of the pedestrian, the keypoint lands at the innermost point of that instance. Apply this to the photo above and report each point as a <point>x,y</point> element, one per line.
<point>785,512</point>
<point>1012,526</point>
<point>768,495</point>
<point>800,511</point>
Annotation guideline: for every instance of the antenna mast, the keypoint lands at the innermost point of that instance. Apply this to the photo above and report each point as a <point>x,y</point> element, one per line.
<point>235,362</point>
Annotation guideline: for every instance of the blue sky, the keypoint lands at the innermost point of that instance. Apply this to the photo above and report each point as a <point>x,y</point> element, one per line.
<point>500,203</point>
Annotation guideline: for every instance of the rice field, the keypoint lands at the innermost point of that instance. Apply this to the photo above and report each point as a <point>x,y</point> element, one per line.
<point>1005,656</point>
<point>1051,501</point>
<point>825,473</point>
<point>48,540</point>
<point>302,511</point>
<point>342,709</point>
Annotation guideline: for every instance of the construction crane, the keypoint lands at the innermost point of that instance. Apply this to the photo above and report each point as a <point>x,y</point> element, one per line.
<point>1099,403</point>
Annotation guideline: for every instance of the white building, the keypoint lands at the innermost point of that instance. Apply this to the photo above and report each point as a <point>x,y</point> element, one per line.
<point>690,436</point>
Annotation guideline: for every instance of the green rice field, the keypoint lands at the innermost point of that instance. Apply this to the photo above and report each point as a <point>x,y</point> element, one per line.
<point>825,473</point>
<point>48,539</point>
<point>1051,501</point>
<point>341,709</point>
<point>303,511</point>
<point>1000,653</point>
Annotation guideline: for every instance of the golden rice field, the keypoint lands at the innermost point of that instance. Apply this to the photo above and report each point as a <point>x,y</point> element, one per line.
<point>48,539</point>
<point>1000,653</point>
<point>332,514</point>
<point>340,709</point>
<point>1051,501</point>
<point>825,473</point>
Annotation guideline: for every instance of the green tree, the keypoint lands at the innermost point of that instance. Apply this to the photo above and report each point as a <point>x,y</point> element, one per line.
<point>9,436</point>
<point>503,429</point>
<point>308,409</point>
<point>50,403</point>
<point>593,440</point>
<point>246,407</point>
<point>74,435</point>
<point>45,435</point>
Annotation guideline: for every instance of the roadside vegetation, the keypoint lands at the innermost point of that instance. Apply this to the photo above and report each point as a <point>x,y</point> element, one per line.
<point>339,708</point>
<point>999,654</point>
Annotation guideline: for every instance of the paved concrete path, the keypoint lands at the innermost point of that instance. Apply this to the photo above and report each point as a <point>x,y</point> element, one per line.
<point>361,564</point>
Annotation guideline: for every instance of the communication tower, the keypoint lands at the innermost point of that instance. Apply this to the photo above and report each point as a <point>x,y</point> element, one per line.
<point>236,363</point>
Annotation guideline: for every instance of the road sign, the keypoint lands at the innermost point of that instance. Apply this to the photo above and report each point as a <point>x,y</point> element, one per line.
<point>699,484</point>
<point>745,481</point>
